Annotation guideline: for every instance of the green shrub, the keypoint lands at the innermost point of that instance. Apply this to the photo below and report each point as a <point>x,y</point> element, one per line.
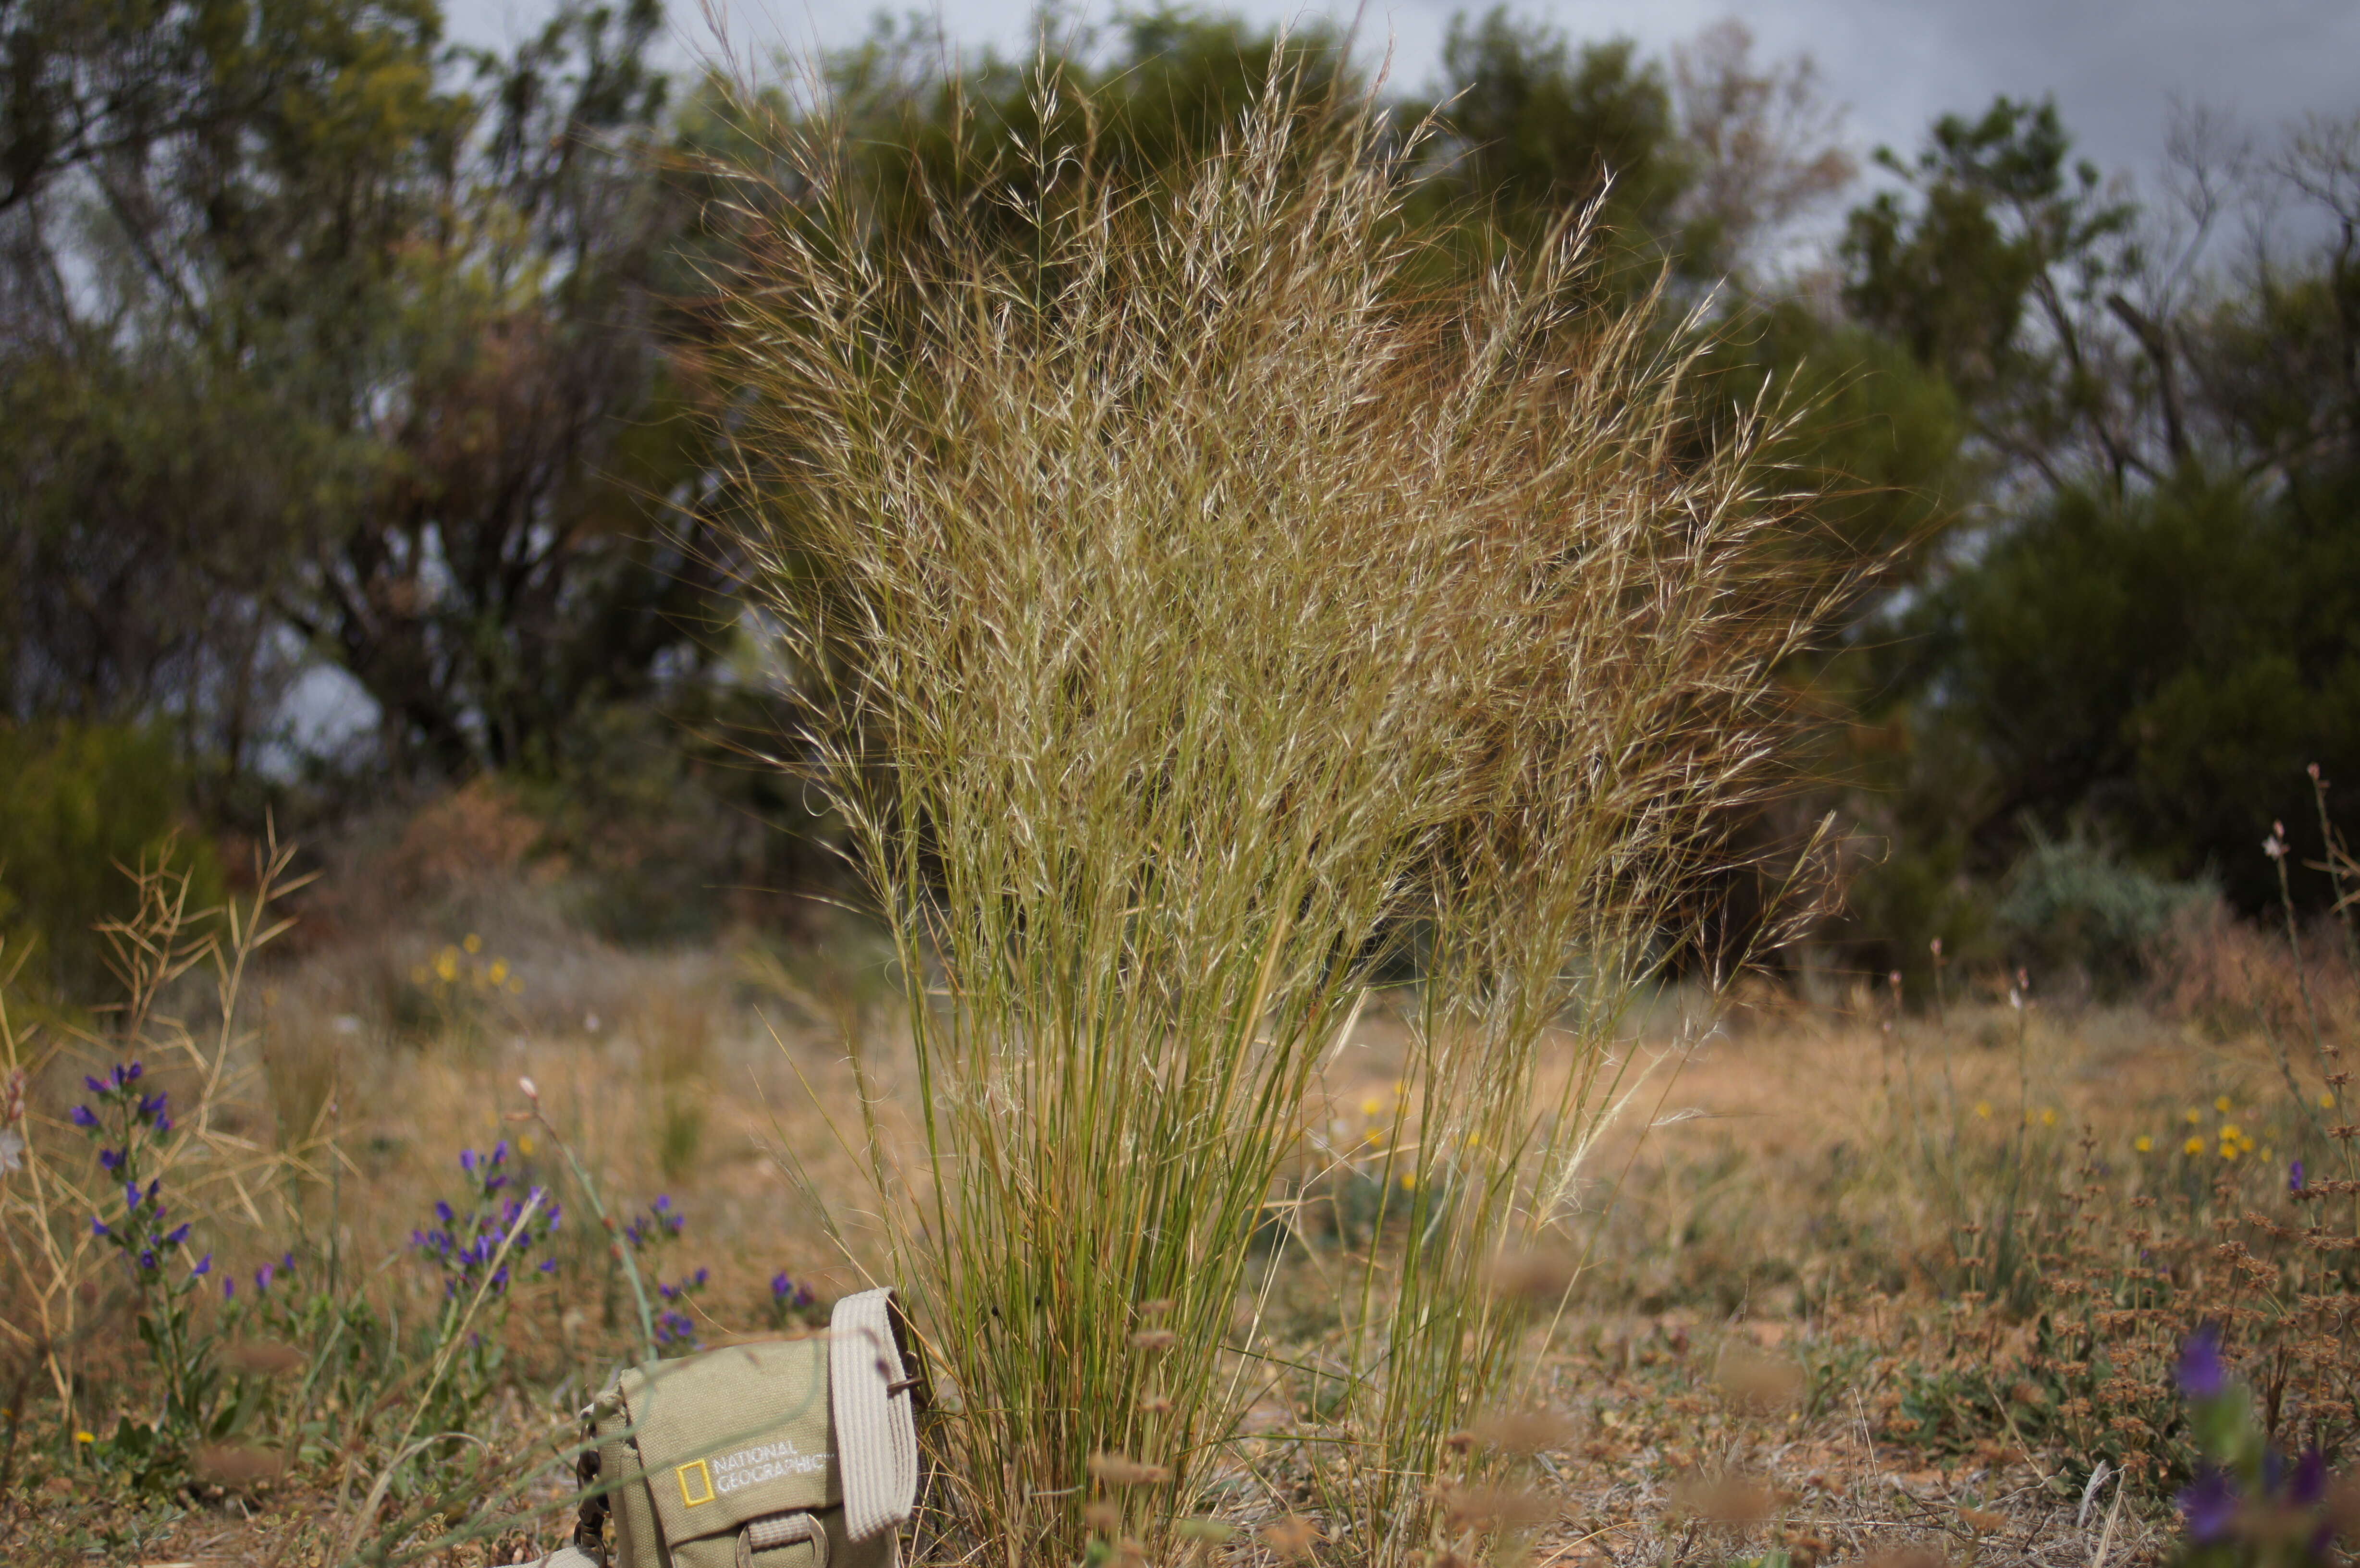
<point>2069,907</point>
<point>77,803</point>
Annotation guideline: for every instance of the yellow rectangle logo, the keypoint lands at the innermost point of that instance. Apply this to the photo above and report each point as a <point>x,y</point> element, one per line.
<point>703,1475</point>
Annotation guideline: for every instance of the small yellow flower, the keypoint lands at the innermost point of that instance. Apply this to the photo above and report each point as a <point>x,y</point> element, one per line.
<point>2193,1148</point>
<point>475,943</point>
<point>2221,1104</point>
<point>2231,1132</point>
<point>524,1145</point>
<point>1982,1109</point>
<point>1409,1182</point>
<point>1372,1106</point>
<point>2230,1152</point>
<point>2048,1118</point>
<point>446,964</point>
<point>2327,1102</point>
<point>2195,1117</point>
<point>498,971</point>
<point>84,1437</point>
<point>2143,1144</point>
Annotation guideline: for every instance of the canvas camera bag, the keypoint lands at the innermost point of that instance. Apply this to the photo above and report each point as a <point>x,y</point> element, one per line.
<point>784,1453</point>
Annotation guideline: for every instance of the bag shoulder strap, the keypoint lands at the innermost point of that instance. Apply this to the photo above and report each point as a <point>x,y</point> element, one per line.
<point>875,1401</point>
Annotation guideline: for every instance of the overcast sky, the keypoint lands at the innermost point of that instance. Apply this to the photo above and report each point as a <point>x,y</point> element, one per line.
<point>2115,65</point>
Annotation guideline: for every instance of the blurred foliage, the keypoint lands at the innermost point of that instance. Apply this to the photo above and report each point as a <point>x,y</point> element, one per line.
<point>80,805</point>
<point>364,362</point>
<point>2071,909</point>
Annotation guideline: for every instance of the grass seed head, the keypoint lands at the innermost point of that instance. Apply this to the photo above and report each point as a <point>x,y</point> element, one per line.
<point>1118,1470</point>
<point>1292,1537</point>
<point>1525,1431</point>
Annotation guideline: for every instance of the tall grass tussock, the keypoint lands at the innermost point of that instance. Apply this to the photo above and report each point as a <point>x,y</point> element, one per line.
<point>1203,620</point>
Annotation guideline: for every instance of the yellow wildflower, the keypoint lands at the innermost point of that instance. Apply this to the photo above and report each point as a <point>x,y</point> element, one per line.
<point>473,943</point>
<point>1982,1109</point>
<point>2194,1116</point>
<point>2143,1144</point>
<point>2221,1104</point>
<point>2193,1148</point>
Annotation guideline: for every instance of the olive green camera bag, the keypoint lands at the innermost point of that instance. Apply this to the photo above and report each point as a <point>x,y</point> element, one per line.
<point>781,1454</point>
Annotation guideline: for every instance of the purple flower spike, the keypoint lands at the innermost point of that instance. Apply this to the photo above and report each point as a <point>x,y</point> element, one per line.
<point>205,1267</point>
<point>2309,1484</point>
<point>130,1075</point>
<point>499,1151</point>
<point>229,1288</point>
<point>2201,1373</point>
<point>148,1259</point>
<point>177,1238</point>
<point>2210,1508</point>
<point>467,1161</point>
<point>82,1117</point>
<point>110,1158</point>
<point>2294,1177</point>
<point>131,1194</point>
<point>97,1085</point>
<point>98,1226</point>
<point>549,1265</point>
<point>163,1122</point>
<point>262,1278</point>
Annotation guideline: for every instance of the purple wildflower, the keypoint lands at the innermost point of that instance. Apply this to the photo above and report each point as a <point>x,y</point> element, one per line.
<point>82,1117</point>
<point>2294,1177</point>
<point>2203,1375</point>
<point>2209,1507</point>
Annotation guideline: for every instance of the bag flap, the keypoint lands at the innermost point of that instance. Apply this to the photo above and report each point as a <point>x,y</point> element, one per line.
<point>734,1434</point>
<point>875,1398</point>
